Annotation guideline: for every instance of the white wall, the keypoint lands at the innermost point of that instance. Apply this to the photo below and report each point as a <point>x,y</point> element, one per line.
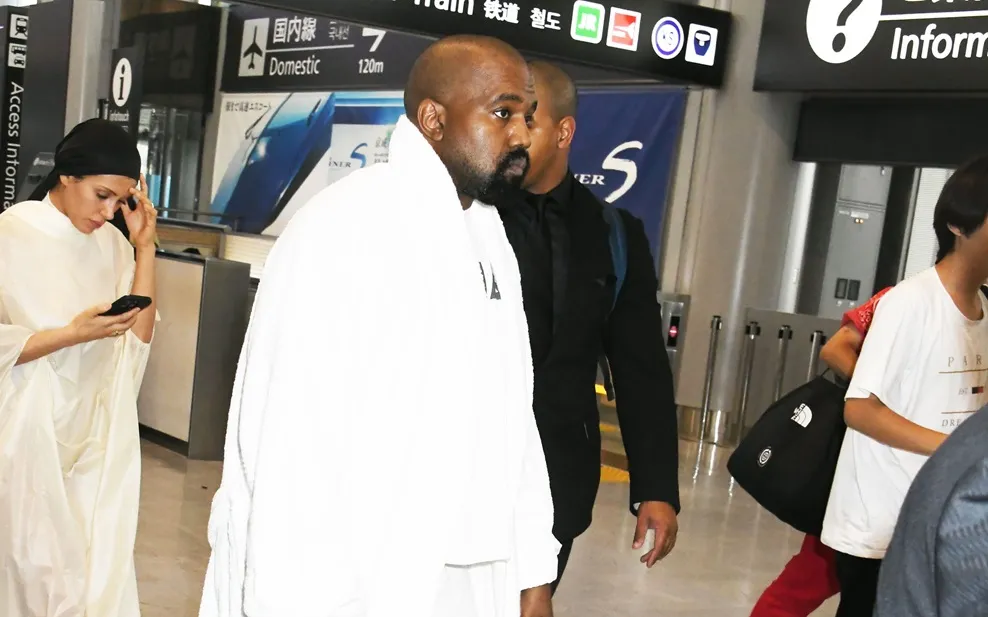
<point>922,249</point>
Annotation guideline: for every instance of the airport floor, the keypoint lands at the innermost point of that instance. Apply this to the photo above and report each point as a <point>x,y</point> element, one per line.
<point>728,549</point>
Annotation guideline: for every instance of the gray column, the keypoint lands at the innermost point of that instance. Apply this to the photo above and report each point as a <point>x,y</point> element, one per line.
<point>211,134</point>
<point>735,231</point>
<point>109,41</point>
<point>82,96</point>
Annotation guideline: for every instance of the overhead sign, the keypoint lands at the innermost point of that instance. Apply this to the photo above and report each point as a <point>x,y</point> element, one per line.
<point>664,40</point>
<point>126,81</point>
<point>14,40</point>
<point>278,51</point>
<point>179,51</point>
<point>874,45</point>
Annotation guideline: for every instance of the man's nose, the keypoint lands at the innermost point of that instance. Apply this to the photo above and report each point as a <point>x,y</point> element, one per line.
<point>521,137</point>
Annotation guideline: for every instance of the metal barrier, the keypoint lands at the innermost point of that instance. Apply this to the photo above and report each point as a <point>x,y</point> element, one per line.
<point>817,341</point>
<point>800,338</point>
<point>751,332</point>
<point>785,336</point>
<point>220,218</point>
<point>716,324</point>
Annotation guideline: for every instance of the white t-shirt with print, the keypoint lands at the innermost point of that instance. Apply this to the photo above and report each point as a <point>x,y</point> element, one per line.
<point>925,361</point>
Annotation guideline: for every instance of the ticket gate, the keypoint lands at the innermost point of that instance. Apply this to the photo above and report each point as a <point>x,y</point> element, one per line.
<point>675,310</point>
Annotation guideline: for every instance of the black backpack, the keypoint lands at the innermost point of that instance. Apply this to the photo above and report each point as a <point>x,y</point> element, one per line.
<point>788,460</point>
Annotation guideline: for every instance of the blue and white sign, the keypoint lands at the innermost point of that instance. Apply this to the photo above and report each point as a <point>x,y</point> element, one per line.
<point>625,148</point>
<point>277,151</point>
<point>702,45</point>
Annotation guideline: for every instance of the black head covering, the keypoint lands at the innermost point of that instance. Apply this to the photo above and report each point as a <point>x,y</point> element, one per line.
<point>93,148</point>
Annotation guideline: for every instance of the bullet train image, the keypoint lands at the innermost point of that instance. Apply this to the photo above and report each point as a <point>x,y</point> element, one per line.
<point>274,160</point>
<point>286,146</point>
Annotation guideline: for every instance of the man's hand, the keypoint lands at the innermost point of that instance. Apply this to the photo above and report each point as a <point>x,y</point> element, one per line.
<point>536,602</point>
<point>662,518</point>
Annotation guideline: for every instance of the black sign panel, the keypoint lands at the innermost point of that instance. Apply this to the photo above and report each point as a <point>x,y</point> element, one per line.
<point>126,85</point>
<point>874,45</point>
<point>46,84</point>
<point>653,38</point>
<point>179,55</point>
<point>272,51</point>
<point>14,40</point>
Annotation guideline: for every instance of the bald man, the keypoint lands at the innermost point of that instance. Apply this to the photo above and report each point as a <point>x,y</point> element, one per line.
<point>560,236</point>
<point>382,458</point>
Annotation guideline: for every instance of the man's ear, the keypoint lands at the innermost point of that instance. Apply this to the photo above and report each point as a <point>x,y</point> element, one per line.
<point>956,231</point>
<point>567,129</point>
<point>432,120</point>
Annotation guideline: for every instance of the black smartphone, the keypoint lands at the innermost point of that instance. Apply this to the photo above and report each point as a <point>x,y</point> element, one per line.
<point>127,304</point>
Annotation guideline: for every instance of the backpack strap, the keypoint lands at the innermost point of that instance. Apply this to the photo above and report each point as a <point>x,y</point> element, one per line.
<point>618,240</point>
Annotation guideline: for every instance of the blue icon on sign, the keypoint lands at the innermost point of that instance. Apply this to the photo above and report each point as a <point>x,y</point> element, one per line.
<point>702,47</point>
<point>667,38</point>
<point>701,43</point>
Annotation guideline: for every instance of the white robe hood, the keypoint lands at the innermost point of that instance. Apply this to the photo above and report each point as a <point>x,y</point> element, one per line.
<point>381,425</point>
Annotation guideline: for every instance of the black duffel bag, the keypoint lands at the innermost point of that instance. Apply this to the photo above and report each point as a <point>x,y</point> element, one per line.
<point>787,461</point>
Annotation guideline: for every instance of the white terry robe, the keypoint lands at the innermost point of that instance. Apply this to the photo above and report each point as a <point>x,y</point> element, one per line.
<point>382,456</point>
<point>70,461</point>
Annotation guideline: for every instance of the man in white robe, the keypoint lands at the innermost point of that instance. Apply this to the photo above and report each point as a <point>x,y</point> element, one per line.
<point>382,457</point>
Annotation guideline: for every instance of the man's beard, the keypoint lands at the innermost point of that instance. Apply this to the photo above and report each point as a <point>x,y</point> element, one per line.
<point>496,188</point>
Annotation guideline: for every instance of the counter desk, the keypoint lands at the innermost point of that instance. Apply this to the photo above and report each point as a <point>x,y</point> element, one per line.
<point>184,399</point>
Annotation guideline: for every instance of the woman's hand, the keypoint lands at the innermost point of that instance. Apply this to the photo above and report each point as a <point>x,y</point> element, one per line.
<point>89,326</point>
<point>142,221</point>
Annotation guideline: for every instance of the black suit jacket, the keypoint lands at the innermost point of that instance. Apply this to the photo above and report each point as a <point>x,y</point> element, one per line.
<point>584,326</point>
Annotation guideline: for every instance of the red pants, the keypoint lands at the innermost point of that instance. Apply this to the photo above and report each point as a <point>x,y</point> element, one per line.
<point>807,581</point>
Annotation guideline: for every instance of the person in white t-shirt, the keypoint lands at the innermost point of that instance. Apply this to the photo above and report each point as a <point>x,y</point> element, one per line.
<point>922,371</point>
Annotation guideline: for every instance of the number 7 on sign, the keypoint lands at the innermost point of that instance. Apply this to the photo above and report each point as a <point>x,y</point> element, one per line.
<point>379,34</point>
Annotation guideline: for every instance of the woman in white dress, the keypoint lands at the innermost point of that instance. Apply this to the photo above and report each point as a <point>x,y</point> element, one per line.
<point>69,378</point>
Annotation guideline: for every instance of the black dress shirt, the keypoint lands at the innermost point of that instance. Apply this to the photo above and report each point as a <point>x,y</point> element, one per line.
<point>538,232</point>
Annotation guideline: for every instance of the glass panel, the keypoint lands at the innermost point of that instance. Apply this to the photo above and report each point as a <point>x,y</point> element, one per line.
<point>170,142</point>
<point>184,154</point>
<point>151,137</point>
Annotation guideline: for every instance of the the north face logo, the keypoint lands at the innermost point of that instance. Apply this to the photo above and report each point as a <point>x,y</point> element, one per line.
<point>802,416</point>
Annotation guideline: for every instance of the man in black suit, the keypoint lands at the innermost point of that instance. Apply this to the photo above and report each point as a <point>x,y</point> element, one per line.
<point>560,237</point>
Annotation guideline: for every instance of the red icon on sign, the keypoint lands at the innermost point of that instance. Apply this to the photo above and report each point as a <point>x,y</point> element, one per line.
<point>624,29</point>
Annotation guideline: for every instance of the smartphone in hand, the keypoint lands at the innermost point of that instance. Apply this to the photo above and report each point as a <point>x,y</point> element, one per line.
<point>126,304</point>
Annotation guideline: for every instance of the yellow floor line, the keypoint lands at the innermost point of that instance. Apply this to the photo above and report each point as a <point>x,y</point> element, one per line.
<point>612,475</point>
<point>609,428</point>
